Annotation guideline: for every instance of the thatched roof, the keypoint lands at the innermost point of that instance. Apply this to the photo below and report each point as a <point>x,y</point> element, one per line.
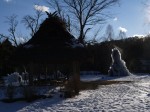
<point>52,32</point>
<point>52,42</point>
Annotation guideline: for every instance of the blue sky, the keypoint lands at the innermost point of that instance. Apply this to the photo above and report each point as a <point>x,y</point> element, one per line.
<point>131,16</point>
<point>20,8</point>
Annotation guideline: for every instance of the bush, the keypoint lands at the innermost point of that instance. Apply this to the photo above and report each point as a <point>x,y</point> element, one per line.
<point>10,90</point>
<point>69,89</point>
<point>13,79</point>
<point>29,93</point>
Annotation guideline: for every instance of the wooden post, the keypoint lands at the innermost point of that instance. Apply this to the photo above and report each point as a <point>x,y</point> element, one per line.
<point>76,76</point>
<point>31,72</point>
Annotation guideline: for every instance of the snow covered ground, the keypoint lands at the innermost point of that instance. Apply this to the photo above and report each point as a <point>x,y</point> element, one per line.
<point>126,97</point>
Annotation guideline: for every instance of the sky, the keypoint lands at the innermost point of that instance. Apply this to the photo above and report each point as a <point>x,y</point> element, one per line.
<point>130,16</point>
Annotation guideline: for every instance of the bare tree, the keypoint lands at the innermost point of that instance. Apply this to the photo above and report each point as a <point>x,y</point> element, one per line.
<point>122,35</point>
<point>13,23</point>
<point>32,22</point>
<point>109,34</point>
<point>57,5</point>
<point>83,13</point>
<point>95,38</point>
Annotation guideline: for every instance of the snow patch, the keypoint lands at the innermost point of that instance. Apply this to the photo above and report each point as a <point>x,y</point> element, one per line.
<point>128,97</point>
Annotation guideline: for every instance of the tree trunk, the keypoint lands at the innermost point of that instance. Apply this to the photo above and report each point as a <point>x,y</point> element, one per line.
<point>76,76</point>
<point>81,37</point>
<point>31,72</point>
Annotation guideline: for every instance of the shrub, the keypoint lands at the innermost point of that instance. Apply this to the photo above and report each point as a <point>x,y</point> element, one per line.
<point>10,90</point>
<point>29,93</point>
<point>69,89</point>
<point>13,79</point>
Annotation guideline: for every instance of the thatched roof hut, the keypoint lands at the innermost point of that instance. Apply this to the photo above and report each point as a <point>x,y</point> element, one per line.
<point>52,43</point>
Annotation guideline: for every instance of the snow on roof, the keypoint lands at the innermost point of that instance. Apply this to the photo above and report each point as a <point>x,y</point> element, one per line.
<point>77,45</point>
<point>28,46</point>
<point>74,43</point>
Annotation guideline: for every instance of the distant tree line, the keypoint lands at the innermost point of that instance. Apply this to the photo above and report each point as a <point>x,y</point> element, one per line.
<point>6,51</point>
<point>132,49</point>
